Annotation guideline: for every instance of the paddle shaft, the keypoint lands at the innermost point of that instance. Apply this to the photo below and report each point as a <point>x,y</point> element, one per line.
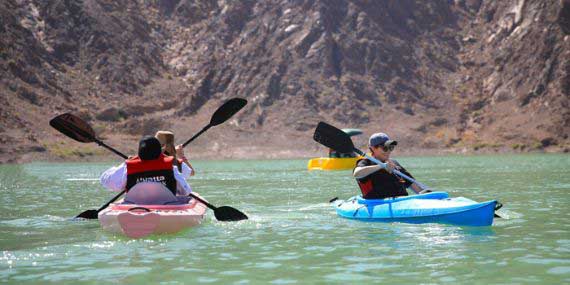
<point>111,201</point>
<point>197,135</point>
<point>203,201</point>
<point>121,155</point>
<point>111,149</point>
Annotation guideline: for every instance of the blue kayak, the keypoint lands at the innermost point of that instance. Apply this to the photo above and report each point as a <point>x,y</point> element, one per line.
<point>434,207</point>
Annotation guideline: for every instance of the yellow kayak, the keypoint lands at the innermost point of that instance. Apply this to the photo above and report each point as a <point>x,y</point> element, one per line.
<point>336,161</point>
<point>327,163</point>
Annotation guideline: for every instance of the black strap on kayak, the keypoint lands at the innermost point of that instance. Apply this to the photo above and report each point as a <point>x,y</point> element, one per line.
<point>357,209</point>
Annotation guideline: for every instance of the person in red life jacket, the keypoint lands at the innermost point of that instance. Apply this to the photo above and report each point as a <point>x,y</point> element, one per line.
<point>166,139</point>
<point>151,165</point>
<point>376,182</point>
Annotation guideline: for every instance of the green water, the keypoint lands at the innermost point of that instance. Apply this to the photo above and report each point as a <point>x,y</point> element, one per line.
<point>293,236</point>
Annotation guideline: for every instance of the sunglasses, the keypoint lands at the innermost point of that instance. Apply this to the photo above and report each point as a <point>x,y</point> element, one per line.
<point>387,148</point>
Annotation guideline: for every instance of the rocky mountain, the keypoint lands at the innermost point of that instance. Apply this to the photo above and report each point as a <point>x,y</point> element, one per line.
<point>441,75</point>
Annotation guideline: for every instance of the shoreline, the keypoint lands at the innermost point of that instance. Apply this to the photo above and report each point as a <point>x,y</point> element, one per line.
<point>266,153</point>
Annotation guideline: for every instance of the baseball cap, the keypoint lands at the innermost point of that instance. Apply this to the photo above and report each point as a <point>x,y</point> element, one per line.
<point>149,148</point>
<point>381,139</point>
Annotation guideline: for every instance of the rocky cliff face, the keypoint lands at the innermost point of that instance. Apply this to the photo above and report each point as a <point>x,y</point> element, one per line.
<point>457,75</point>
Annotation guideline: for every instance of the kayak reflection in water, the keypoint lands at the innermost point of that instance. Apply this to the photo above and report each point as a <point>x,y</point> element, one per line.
<point>376,182</point>
<point>166,139</point>
<point>149,168</point>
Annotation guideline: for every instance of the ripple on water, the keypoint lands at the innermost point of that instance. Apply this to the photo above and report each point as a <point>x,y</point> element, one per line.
<point>321,249</point>
<point>203,279</point>
<point>283,281</point>
<point>377,265</point>
<point>88,274</point>
<point>189,269</point>
<point>537,260</point>
<point>446,279</point>
<point>232,273</point>
<point>267,265</point>
<point>514,249</point>
<point>40,222</point>
<point>558,232</point>
<point>560,270</point>
<point>282,257</point>
<point>351,277</point>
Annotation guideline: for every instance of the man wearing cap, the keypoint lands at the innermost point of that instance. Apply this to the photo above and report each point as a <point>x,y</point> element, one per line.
<point>376,182</point>
<point>151,165</point>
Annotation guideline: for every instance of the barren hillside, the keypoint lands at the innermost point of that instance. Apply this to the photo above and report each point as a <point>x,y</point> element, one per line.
<point>439,76</point>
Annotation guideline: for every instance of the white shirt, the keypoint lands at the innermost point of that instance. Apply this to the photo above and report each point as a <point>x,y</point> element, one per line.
<point>115,179</point>
<point>186,170</point>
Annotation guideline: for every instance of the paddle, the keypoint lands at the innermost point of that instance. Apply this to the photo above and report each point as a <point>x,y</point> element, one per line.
<point>77,129</point>
<point>338,140</point>
<point>221,115</point>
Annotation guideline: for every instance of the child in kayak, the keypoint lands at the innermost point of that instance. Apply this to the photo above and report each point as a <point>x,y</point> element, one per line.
<point>376,182</point>
<point>150,167</point>
<point>166,140</point>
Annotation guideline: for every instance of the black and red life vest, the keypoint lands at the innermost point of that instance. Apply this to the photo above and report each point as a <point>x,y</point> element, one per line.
<point>157,170</point>
<point>381,184</point>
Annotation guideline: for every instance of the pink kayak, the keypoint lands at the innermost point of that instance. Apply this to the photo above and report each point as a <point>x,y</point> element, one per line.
<point>138,221</point>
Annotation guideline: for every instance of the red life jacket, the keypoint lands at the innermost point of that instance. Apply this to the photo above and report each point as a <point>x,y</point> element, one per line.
<point>157,170</point>
<point>381,184</point>
<point>365,187</point>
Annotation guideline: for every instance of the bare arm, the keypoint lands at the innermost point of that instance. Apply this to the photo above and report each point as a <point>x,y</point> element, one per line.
<point>363,171</point>
<point>193,171</point>
<point>181,155</point>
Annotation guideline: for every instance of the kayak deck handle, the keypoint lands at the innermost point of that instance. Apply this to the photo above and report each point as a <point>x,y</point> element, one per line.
<point>498,206</point>
<point>139,208</point>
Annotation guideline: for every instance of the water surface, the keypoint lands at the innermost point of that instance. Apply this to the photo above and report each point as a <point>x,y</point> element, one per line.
<point>293,236</point>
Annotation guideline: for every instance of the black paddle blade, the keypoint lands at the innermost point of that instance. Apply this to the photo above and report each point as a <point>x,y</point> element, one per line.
<point>229,214</point>
<point>227,110</point>
<point>89,214</point>
<point>334,138</point>
<point>73,127</point>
